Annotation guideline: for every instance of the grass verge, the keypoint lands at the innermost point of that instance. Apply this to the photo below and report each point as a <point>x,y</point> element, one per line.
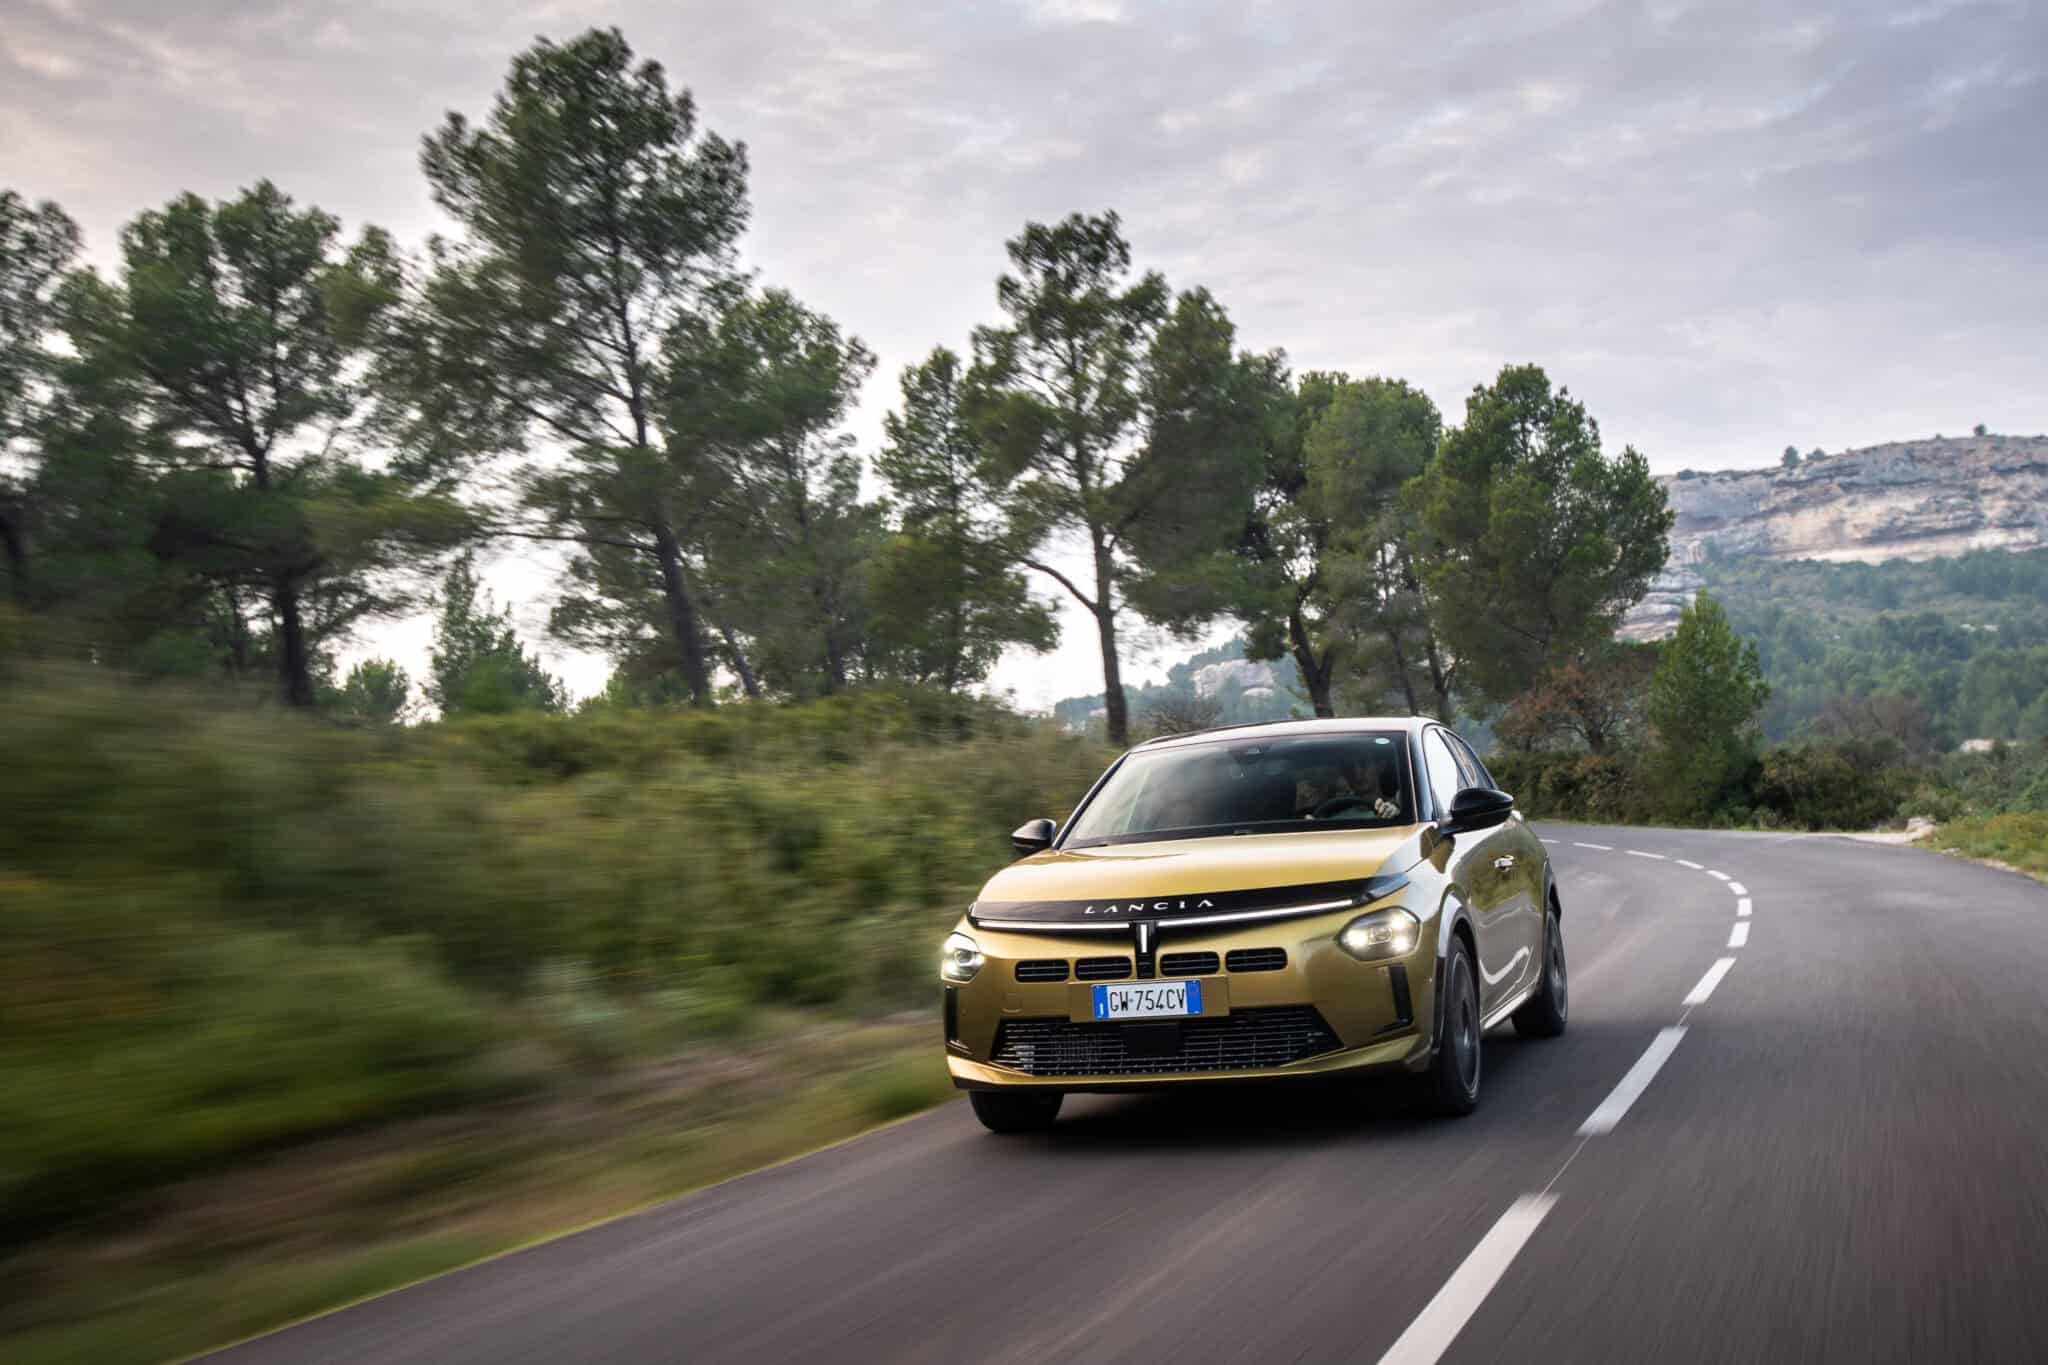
<point>2019,842</point>
<point>308,1230</point>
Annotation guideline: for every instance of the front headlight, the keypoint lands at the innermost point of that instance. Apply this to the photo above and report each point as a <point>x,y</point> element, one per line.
<point>1381,935</point>
<point>960,958</point>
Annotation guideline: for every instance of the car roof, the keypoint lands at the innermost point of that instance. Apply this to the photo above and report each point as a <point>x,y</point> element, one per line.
<point>1283,728</point>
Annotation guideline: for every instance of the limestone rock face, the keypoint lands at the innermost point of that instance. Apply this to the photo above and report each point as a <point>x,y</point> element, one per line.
<point>1907,500</point>
<point>1928,499</point>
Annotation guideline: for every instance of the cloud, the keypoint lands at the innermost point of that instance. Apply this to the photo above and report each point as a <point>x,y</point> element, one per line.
<point>1727,226</point>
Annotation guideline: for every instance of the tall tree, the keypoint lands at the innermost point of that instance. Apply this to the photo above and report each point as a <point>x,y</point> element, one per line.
<point>37,246</point>
<point>1101,406</point>
<point>596,222</point>
<point>477,664</point>
<point>1702,707</point>
<point>1367,606</point>
<point>1536,542</point>
<point>240,332</point>
<point>945,597</point>
<point>763,395</point>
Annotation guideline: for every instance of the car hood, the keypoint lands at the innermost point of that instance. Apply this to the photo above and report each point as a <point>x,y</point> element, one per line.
<point>1184,878</point>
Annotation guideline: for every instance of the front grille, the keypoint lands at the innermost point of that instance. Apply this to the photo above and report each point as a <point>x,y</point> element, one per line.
<point>1189,964</point>
<point>1256,959</point>
<point>1243,1041</point>
<point>1042,969</point>
<point>1102,968</point>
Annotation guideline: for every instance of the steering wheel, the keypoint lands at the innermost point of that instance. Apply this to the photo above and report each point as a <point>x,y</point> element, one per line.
<point>1339,802</point>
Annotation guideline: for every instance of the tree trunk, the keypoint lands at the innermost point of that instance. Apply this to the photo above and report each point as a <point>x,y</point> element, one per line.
<point>749,684</point>
<point>294,668</point>
<point>15,538</point>
<point>1315,673</point>
<point>1114,708</point>
<point>682,616</point>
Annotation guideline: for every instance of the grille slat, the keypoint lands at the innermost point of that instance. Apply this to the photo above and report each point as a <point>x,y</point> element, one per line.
<point>1243,1041</point>
<point>1042,969</point>
<point>1189,964</point>
<point>1102,968</point>
<point>1256,959</point>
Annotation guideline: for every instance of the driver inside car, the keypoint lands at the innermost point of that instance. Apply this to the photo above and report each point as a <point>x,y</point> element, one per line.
<point>1353,784</point>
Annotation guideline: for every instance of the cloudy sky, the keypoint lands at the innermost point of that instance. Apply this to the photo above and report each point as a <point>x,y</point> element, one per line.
<point>1726,226</point>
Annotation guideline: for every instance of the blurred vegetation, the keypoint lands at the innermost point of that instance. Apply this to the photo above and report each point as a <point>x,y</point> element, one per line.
<point>224,927</point>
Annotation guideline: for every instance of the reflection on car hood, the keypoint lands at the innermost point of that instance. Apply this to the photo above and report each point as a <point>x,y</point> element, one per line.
<point>1172,877</point>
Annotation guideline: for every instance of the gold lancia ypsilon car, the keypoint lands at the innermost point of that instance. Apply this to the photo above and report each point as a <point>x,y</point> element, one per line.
<point>1304,899</point>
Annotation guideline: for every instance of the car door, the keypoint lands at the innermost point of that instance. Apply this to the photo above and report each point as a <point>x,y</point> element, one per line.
<point>1489,889</point>
<point>1516,845</point>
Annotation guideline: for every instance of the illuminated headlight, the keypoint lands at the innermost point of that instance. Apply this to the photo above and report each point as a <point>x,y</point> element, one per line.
<point>960,958</point>
<point>1380,935</point>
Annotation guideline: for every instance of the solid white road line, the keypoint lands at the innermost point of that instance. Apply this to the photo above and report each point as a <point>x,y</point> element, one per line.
<point>1438,1324</point>
<point>1604,848</point>
<point>1709,981</point>
<point>1638,853</point>
<point>1718,876</point>
<point>1603,1119</point>
<point>1738,888</point>
<point>1742,907</point>
<point>1687,862</point>
<point>1739,935</point>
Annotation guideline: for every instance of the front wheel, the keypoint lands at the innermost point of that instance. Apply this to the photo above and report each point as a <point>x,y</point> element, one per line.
<point>1451,1087</point>
<point>1544,1015</point>
<point>1015,1111</point>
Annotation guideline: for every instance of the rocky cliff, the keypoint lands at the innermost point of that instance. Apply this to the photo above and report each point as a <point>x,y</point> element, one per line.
<point>1906,500</point>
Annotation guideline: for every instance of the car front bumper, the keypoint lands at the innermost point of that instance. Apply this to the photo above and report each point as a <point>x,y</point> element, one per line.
<point>1323,1012</point>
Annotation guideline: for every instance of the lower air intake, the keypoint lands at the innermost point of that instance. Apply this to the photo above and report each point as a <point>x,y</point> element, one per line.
<point>1245,1040</point>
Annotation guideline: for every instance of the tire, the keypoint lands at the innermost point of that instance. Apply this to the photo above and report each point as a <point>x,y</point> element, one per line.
<point>1544,1015</point>
<point>1016,1111</point>
<point>1450,1088</point>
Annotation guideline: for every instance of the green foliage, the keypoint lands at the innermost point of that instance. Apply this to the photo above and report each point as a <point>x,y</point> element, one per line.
<point>1855,785</point>
<point>944,596</point>
<point>231,351</point>
<point>597,227</point>
<point>1790,459</point>
<point>1539,540</point>
<point>2018,840</point>
<point>376,690</point>
<point>260,927</point>
<point>1119,415</point>
<point>478,665</point>
<point>1703,701</point>
<point>1846,647</point>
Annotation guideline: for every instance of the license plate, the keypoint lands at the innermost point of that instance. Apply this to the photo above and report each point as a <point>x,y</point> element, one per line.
<point>1149,1000</point>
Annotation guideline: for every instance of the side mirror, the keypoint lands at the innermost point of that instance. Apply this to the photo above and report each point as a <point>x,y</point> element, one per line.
<point>1477,808</point>
<point>1033,835</point>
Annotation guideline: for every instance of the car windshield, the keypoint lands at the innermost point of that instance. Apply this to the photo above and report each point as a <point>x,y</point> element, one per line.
<point>1251,785</point>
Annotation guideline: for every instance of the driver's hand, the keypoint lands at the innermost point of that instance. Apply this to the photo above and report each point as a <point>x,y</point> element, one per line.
<point>1385,809</point>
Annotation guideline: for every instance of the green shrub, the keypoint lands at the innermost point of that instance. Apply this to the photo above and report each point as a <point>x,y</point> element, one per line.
<point>1831,786</point>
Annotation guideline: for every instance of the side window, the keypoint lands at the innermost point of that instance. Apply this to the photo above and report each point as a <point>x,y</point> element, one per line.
<point>1470,769</point>
<point>1444,779</point>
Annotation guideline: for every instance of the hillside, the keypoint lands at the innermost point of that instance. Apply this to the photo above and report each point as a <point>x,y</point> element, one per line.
<point>1909,500</point>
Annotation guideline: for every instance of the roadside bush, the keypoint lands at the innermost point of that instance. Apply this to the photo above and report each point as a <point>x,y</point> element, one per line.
<point>1831,786</point>
<point>224,926</point>
<point>1604,788</point>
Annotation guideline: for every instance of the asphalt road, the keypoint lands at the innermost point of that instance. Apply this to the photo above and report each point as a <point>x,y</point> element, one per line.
<point>1844,1156</point>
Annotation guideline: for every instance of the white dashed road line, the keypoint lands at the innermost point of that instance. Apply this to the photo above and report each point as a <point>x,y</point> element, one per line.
<point>1438,1325</point>
<point>1700,993</point>
<point>1603,1119</point>
<point>1433,1330</point>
